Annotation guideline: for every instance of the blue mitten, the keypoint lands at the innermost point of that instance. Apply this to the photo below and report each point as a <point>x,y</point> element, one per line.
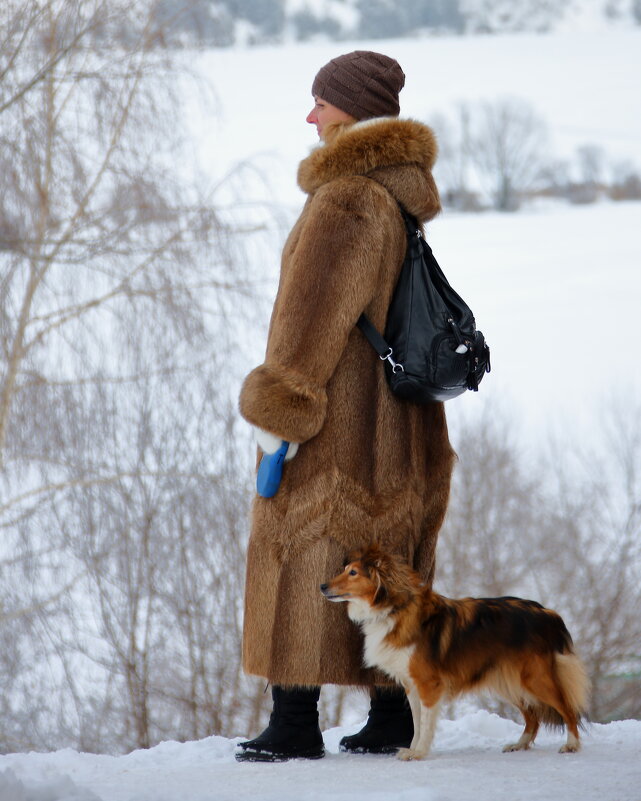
<point>270,471</point>
<point>276,452</point>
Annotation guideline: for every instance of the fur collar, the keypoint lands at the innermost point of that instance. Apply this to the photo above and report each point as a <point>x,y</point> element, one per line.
<point>398,153</point>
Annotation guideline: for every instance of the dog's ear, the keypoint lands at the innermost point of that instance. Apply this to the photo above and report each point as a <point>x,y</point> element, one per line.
<point>376,569</point>
<point>381,595</point>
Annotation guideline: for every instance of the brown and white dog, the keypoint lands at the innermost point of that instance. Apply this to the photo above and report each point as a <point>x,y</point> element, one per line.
<point>437,648</point>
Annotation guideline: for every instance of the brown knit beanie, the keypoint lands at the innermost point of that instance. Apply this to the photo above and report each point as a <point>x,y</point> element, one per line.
<point>363,84</point>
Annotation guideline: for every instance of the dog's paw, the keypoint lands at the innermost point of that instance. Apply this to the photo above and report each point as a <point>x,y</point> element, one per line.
<point>507,749</point>
<point>409,754</point>
<point>572,745</point>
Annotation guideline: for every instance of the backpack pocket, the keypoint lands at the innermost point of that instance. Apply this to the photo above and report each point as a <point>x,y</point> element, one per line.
<point>446,367</point>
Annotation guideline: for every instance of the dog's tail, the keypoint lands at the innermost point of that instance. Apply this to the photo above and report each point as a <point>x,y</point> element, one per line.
<point>572,682</point>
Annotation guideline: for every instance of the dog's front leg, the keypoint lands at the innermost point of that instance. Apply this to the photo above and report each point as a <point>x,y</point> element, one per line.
<point>415,705</point>
<point>419,749</point>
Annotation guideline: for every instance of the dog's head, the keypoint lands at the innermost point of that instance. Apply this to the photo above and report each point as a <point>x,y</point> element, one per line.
<point>379,579</point>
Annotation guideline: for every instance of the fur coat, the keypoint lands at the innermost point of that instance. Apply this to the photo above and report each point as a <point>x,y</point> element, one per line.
<point>369,467</point>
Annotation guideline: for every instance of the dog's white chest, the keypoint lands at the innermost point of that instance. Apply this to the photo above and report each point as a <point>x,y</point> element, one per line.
<point>378,653</point>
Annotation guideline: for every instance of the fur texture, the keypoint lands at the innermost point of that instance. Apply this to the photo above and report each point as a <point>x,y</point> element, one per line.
<point>438,648</point>
<point>369,466</point>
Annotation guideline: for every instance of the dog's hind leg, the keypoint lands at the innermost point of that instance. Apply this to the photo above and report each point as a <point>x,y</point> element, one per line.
<point>545,686</point>
<point>529,733</point>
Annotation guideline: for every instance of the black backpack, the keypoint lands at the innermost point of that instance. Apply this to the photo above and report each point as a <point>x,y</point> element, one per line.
<point>431,348</point>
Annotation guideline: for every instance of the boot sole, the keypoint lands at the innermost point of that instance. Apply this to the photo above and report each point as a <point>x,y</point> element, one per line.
<point>268,756</point>
<point>381,749</point>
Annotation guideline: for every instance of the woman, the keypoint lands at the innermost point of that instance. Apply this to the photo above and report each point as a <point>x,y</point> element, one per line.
<point>363,465</point>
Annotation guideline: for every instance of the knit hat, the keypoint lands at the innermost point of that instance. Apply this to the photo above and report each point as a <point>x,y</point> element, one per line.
<point>363,84</point>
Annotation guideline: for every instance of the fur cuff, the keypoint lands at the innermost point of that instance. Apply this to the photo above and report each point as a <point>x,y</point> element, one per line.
<point>281,401</point>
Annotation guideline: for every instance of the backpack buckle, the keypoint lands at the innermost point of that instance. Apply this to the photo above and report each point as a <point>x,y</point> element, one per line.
<point>396,367</point>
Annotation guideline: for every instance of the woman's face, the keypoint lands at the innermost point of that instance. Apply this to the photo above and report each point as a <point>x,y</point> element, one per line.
<point>324,113</point>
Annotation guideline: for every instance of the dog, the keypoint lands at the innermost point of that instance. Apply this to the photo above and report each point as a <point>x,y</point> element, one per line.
<point>438,648</point>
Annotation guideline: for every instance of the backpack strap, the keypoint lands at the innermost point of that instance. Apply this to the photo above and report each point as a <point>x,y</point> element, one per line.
<point>411,223</point>
<point>373,336</point>
<point>377,341</point>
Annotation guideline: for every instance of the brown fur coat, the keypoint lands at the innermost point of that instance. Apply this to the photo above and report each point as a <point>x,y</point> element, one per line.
<point>370,467</point>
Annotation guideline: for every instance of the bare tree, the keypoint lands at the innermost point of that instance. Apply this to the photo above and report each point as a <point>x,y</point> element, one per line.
<point>594,534</point>
<point>123,488</point>
<point>507,149</point>
<point>485,545</point>
<point>454,164</point>
<point>492,151</point>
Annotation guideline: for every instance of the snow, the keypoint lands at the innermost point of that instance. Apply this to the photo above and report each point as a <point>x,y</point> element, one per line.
<point>556,292</point>
<point>466,764</point>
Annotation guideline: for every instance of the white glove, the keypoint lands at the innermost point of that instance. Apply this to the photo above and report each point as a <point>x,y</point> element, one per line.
<point>270,443</point>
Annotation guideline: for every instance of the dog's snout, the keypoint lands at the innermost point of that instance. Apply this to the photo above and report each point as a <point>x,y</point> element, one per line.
<point>323,587</point>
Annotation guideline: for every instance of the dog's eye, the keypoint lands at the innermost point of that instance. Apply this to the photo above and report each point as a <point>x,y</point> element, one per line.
<point>353,572</point>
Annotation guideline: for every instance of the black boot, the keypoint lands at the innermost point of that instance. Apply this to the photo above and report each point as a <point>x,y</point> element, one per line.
<point>293,730</point>
<point>389,725</point>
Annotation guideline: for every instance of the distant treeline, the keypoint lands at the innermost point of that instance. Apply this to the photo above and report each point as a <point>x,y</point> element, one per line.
<point>498,154</point>
<point>221,23</point>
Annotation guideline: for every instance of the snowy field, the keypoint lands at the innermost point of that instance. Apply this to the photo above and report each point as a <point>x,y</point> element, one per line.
<point>466,765</point>
<point>557,293</point>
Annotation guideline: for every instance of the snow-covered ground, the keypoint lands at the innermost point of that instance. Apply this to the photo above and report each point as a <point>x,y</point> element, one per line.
<point>466,764</point>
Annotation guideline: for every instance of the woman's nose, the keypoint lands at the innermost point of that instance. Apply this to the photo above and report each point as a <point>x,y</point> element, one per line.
<point>311,117</point>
